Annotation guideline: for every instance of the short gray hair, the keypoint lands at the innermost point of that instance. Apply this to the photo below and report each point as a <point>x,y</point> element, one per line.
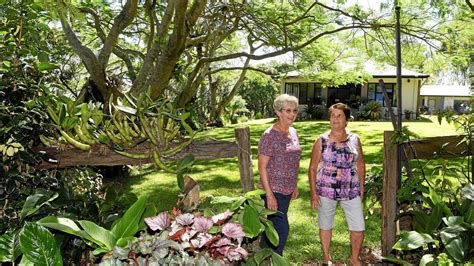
<point>283,100</point>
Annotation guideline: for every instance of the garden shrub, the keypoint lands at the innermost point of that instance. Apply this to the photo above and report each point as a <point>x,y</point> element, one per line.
<point>313,111</point>
<point>371,111</point>
<point>259,91</point>
<point>408,114</point>
<point>222,233</point>
<point>424,109</point>
<point>373,189</point>
<point>441,209</point>
<point>243,119</point>
<point>205,237</point>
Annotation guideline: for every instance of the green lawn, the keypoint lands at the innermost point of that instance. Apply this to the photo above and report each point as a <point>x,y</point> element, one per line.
<point>221,177</point>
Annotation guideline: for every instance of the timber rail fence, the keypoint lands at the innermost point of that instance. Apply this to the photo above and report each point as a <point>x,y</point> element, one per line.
<point>99,154</point>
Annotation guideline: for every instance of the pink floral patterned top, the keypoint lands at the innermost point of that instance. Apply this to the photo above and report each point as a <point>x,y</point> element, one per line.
<point>285,154</point>
<point>337,177</point>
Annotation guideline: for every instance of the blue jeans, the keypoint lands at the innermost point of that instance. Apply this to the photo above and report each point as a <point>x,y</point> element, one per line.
<point>280,222</point>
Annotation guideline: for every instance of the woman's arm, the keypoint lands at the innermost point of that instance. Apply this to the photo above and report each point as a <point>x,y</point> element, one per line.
<point>313,167</point>
<point>262,169</point>
<point>360,167</point>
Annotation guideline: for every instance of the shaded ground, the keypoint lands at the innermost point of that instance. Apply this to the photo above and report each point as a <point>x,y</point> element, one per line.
<point>369,257</point>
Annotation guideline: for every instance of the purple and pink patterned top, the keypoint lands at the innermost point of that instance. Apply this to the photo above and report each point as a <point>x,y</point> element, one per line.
<point>285,154</point>
<point>337,177</point>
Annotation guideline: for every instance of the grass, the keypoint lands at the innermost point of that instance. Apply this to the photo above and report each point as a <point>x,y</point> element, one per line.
<point>221,177</point>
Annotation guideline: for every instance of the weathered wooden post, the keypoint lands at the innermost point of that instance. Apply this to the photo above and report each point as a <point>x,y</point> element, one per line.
<point>389,197</point>
<point>244,153</point>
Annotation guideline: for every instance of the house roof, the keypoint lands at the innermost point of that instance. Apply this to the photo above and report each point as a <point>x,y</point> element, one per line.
<point>377,70</point>
<point>445,90</point>
<point>385,71</point>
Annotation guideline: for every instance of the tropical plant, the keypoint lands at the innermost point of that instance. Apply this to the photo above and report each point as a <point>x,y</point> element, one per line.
<point>408,114</point>
<point>442,211</point>
<point>38,245</point>
<point>33,243</point>
<point>99,238</point>
<point>21,124</point>
<point>29,73</point>
<point>205,237</point>
<point>372,111</point>
<point>446,233</point>
<point>314,111</point>
<point>251,212</point>
<point>186,238</point>
<point>464,123</point>
<point>122,126</point>
<point>373,189</point>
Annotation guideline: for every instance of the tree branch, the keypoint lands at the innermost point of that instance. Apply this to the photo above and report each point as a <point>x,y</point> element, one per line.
<point>152,19</point>
<point>201,69</point>
<point>121,53</point>
<point>263,71</point>
<point>183,22</point>
<point>235,88</point>
<point>166,61</point>
<point>143,77</point>
<point>338,10</point>
<point>97,20</point>
<point>122,21</point>
<point>289,49</point>
<point>303,16</point>
<point>196,40</point>
<point>469,4</point>
<point>196,11</point>
<point>88,57</point>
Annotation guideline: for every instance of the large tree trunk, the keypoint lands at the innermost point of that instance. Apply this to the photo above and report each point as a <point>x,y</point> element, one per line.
<point>213,86</point>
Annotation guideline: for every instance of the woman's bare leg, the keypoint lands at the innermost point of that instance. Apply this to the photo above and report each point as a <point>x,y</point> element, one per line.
<point>357,237</point>
<point>325,236</point>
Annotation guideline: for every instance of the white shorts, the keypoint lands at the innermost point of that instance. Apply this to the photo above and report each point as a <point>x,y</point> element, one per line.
<point>352,209</point>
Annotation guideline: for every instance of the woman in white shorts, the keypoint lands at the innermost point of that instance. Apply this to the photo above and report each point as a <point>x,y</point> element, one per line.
<point>337,174</point>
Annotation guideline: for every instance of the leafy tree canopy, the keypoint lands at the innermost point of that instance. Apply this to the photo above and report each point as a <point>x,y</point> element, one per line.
<point>179,48</point>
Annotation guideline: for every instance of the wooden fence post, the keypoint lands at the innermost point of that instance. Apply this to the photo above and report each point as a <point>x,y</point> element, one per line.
<point>389,197</point>
<point>244,153</point>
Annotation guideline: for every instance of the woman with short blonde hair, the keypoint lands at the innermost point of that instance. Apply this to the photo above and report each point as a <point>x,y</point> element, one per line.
<point>279,154</point>
<point>283,100</point>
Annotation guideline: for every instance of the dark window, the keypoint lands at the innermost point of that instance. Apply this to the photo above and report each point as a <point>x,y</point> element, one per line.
<point>292,88</point>
<point>310,91</point>
<point>303,94</point>
<point>348,94</point>
<point>307,92</point>
<point>315,95</point>
<point>343,94</point>
<point>374,93</point>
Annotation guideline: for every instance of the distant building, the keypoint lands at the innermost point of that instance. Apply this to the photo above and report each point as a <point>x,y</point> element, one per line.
<point>437,97</point>
<point>312,91</point>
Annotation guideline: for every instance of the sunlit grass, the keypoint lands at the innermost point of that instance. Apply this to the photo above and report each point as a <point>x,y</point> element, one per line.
<point>221,177</point>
